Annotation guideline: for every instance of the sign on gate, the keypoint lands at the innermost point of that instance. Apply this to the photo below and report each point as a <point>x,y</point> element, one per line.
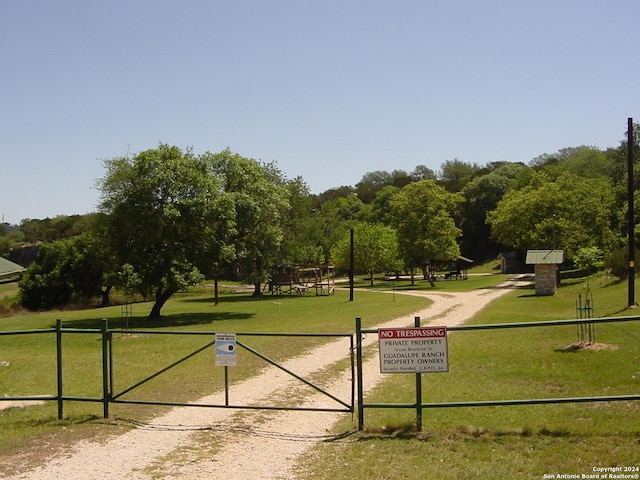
<point>413,350</point>
<point>225,349</point>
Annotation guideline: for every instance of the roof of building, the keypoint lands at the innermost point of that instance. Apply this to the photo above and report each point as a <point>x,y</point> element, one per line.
<point>8,268</point>
<point>535,257</point>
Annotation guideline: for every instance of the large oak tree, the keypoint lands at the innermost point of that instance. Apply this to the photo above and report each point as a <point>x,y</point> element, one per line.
<point>167,217</point>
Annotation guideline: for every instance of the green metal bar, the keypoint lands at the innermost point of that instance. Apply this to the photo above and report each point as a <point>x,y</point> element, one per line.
<point>498,403</point>
<point>244,334</point>
<point>359,380</point>
<point>231,406</point>
<point>226,385</point>
<point>294,375</point>
<point>105,368</point>
<point>28,332</point>
<point>111,382</point>
<point>547,323</point>
<point>416,322</point>
<point>59,367</point>
<point>353,371</point>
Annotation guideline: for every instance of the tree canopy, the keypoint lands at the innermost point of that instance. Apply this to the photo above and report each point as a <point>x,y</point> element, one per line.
<point>167,217</point>
<point>375,249</point>
<point>568,213</point>
<point>423,215</point>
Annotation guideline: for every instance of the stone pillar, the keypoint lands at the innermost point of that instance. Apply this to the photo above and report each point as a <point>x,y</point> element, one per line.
<point>546,279</point>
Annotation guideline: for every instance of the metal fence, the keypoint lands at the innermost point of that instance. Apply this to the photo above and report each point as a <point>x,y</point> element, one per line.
<point>419,405</point>
<point>111,396</point>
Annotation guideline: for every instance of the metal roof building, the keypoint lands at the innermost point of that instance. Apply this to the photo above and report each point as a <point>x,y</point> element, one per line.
<point>9,270</point>
<point>546,267</point>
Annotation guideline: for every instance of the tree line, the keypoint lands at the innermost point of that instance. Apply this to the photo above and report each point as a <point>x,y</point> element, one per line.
<point>168,218</point>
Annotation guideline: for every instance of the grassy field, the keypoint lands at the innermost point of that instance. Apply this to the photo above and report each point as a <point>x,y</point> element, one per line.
<point>514,441</point>
<point>28,360</point>
<point>456,443</point>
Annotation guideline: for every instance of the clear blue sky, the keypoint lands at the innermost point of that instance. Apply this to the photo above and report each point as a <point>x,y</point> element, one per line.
<point>329,89</point>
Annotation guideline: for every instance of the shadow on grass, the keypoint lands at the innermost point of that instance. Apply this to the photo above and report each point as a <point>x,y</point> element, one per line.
<point>177,320</point>
<point>467,433</point>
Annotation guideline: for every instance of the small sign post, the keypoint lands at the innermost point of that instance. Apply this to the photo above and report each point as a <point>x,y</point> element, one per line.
<point>415,350</point>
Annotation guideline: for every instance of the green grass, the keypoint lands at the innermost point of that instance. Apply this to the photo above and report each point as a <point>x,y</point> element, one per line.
<point>513,441</point>
<point>30,359</point>
<point>457,443</point>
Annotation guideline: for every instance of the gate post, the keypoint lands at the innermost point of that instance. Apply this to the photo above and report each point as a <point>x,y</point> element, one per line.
<point>106,396</point>
<point>416,321</point>
<point>59,366</point>
<point>359,373</point>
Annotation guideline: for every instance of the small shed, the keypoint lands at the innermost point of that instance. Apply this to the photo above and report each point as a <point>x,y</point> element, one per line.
<point>546,269</point>
<point>509,262</point>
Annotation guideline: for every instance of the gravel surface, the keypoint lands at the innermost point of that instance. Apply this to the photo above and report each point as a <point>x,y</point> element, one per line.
<point>207,443</point>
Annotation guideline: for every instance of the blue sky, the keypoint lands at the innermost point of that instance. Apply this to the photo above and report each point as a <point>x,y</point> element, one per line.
<point>329,89</point>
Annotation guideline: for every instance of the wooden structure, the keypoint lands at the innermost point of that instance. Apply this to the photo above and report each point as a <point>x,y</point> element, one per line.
<point>547,264</point>
<point>509,262</point>
<point>461,271</point>
<point>298,279</point>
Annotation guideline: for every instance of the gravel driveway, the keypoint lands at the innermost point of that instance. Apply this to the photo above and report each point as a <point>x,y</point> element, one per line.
<point>202,443</point>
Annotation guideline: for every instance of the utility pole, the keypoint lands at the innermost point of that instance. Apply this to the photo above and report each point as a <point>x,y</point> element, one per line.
<point>630,216</point>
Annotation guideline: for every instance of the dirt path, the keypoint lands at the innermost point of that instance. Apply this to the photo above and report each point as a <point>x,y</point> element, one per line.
<point>200,443</point>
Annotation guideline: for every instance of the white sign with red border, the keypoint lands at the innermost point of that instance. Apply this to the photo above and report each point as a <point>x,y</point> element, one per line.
<point>413,350</point>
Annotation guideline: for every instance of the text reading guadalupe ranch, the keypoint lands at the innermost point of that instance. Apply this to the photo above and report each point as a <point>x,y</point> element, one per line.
<point>413,350</point>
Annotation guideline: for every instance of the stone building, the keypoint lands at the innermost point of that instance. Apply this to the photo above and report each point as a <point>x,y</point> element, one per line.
<point>547,269</point>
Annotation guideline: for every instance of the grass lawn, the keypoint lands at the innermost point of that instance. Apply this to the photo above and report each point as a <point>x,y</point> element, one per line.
<point>455,443</point>
<point>512,441</point>
<point>28,360</point>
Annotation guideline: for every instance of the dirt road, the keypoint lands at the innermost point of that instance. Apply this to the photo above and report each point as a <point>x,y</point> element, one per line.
<point>198,443</point>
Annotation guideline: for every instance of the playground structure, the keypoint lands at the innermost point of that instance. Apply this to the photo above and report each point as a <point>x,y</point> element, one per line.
<point>298,279</point>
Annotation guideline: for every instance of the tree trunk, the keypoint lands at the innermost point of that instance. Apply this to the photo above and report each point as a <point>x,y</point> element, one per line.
<point>161,299</point>
<point>105,296</point>
<point>257,289</point>
<point>430,269</point>
<point>216,295</point>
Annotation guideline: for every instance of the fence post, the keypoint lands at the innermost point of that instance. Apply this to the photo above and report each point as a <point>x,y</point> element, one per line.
<point>59,367</point>
<point>105,368</point>
<point>359,382</point>
<point>416,321</point>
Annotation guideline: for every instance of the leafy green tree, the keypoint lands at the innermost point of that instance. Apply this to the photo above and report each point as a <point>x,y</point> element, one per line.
<point>423,215</point>
<point>455,174</point>
<point>375,249</point>
<point>66,270</point>
<point>481,196</point>
<point>167,217</point>
<point>381,205</point>
<point>303,241</point>
<point>568,213</point>
<point>47,282</point>
<point>336,217</point>
<point>260,201</point>
<point>371,183</point>
<point>9,239</point>
<point>422,172</point>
